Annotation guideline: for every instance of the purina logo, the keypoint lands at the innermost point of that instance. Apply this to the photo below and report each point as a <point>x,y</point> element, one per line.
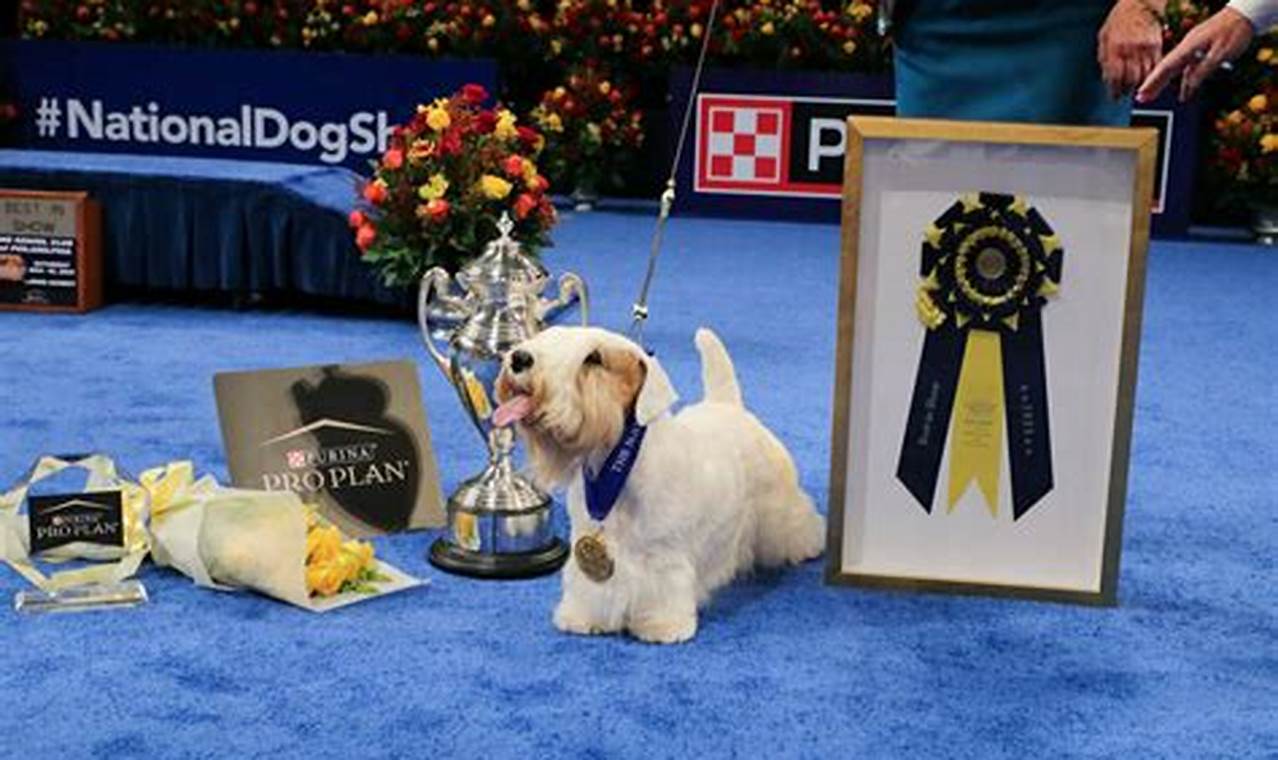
<point>780,146</point>
<point>57,520</point>
<point>793,146</point>
<point>353,463</point>
<point>89,121</point>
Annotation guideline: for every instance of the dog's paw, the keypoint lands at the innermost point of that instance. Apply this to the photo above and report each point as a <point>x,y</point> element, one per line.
<point>672,630</point>
<point>569,621</point>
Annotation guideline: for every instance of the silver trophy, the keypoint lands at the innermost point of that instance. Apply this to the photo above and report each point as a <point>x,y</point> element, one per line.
<point>499,522</point>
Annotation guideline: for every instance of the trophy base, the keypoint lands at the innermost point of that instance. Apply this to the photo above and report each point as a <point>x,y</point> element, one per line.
<point>452,558</point>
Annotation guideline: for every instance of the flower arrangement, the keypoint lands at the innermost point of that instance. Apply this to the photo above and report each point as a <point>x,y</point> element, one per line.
<point>1244,160</point>
<point>811,34</point>
<point>592,129</point>
<point>436,195</point>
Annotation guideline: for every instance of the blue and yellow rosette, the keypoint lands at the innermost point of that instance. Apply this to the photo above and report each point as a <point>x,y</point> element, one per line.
<point>989,264</point>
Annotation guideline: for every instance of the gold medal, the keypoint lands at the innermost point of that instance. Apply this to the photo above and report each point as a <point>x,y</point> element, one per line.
<point>592,557</point>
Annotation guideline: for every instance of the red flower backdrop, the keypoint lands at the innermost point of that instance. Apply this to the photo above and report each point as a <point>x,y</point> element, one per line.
<point>592,130</point>
<point>437,194</point>
<point>539,42</point>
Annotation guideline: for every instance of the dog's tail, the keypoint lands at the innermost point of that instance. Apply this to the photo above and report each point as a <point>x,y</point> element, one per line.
<point>718,378</point>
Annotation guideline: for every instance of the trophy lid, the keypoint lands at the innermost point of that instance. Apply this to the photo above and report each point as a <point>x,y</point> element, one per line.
<point>504,262</point>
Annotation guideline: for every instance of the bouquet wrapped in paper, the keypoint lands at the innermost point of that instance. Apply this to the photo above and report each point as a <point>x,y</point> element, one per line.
<point>267,541</point>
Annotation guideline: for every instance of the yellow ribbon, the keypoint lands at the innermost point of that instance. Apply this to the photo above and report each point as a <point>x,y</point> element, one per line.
<point>976,452</point>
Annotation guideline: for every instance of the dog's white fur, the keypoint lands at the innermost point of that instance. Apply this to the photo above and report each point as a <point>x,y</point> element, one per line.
<point>712,494</point>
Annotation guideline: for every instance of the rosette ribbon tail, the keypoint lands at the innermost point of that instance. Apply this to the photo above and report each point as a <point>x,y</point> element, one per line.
<point>1029,450</point>
<point>930,410</point>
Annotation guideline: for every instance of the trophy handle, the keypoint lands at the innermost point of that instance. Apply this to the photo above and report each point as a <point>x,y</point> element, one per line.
<point>571,289</point>
<point>434,283</point>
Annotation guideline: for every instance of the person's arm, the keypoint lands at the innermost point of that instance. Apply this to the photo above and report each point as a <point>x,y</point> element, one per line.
<point>1220,38</point>
<point>1130,43</point>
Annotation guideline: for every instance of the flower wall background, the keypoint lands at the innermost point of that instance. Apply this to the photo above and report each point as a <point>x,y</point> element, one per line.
<point>556,56</point>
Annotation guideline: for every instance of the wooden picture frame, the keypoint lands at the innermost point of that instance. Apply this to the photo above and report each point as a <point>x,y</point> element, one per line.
<point>50,215</point>
<point>902,263</point>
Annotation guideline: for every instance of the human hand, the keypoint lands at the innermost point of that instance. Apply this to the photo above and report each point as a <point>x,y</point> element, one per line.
<point>1130,44</point>
<point>1209,45</point>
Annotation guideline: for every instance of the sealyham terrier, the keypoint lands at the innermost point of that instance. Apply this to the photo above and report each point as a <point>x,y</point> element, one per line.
<point>664,508</point>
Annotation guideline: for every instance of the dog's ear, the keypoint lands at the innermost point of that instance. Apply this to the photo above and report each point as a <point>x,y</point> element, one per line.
<point>657,394</point>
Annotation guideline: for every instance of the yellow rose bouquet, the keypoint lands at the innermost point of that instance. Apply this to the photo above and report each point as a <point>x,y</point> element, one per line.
<point>267,541</point>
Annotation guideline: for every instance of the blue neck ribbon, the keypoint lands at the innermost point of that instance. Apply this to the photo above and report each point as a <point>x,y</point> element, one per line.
<point>603,489</point>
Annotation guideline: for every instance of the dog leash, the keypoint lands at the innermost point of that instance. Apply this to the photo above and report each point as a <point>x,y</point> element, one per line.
<point>640,309</point>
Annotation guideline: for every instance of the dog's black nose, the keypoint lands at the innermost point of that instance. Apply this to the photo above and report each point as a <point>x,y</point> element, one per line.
<point>520,361</point>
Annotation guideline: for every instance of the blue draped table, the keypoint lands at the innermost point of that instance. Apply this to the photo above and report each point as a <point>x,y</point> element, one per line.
<point>196,224</point>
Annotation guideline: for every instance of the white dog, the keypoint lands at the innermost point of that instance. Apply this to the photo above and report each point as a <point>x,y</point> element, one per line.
<point>711,492</point>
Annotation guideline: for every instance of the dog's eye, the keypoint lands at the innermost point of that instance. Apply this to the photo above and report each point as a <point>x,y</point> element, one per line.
<point>595,358</point>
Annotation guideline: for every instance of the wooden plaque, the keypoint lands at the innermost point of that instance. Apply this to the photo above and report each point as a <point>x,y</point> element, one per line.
<point>50,251</point>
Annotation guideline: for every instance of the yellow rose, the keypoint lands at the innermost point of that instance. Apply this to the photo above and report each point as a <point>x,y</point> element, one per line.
<point>530,174</point>
<point>1234,117</point>
<point>695,30</point>
<point>433,45</point>
<point>1269,143</point>
<point>506,125</point>
<point>849,47</point>
<point>359,557</point>
<point>1264,54</point>
<point>325,579</point>
<point>768,28</point>
<point>1258,104</point>
<point>370,19</point>
<point>553,123</point>
<point>494,188</point>
<point>859,11</point>
<point>605,87</point>
<point>436,188</point>
<point>323,544</point>
<point>438,119</point>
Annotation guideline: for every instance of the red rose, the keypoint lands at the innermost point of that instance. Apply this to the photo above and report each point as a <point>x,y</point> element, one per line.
<point>375,193</point>
<point>357,219</point>
<point>393,159</point>
<point>474,94</point>
<point>365,236</point>
<point>540,184</point>
<point>451,143</point>
<point>513,166</point>
<point>485,122</point>
<point>525,204</point>
<point>438,210</point>
<point>528,136</point>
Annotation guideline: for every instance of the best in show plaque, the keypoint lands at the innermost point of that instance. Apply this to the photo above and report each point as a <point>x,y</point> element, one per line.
<point>50,251</point>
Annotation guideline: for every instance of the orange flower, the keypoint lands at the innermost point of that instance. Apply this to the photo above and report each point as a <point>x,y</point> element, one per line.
<point>365,236</point>
<point>393,159</point>
<point>437,210</point>
<point>514,166</point>
<point>525,204</point>
<point>375,192</point>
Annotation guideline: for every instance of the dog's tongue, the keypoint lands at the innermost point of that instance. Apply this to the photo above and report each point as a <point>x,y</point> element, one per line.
<point>512,410</point>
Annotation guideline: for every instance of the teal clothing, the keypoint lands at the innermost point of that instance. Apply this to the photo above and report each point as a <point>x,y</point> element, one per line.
<point>1004,60</point>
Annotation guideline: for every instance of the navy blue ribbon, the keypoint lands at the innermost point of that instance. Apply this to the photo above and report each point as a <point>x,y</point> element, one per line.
<point>603,489</point>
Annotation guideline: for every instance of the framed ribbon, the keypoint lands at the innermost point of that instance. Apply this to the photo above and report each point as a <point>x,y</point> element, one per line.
<point>989,265</point>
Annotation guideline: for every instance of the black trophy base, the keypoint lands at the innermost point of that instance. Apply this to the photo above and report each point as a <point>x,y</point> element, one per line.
<point>451,558</point>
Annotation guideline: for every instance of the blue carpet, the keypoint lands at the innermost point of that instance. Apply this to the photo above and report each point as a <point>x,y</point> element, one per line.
<point>784,666</point>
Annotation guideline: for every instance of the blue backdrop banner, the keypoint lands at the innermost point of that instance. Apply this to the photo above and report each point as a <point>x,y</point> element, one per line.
<point>307,108</point>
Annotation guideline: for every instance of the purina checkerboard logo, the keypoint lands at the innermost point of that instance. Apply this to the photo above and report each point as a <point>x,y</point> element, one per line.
<point>766,145</point>
<point>794,146</point>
